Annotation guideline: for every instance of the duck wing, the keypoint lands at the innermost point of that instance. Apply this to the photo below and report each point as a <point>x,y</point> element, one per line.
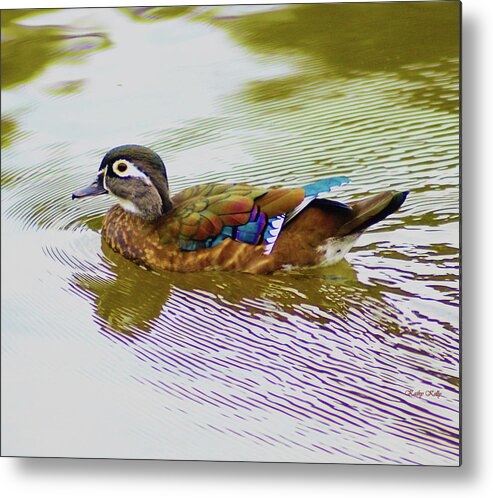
<point>206,215</point>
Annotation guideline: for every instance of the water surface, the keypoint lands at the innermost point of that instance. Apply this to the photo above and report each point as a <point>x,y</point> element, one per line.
<point>101,358</point>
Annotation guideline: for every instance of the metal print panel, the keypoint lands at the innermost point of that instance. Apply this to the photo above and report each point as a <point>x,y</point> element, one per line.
<point>232,233</point>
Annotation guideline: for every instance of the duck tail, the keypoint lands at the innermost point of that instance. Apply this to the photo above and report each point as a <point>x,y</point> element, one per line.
<point>319,191</point>
<point>351,217</point>
<point>371,210</point>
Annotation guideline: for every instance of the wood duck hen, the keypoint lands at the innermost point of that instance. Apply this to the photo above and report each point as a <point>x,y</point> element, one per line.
<point>226,226</point>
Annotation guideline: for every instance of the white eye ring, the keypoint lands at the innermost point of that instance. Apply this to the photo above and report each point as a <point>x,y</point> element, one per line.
<point>125,169</point>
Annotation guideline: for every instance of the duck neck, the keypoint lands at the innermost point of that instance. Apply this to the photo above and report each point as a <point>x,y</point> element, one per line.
<point>167,205</point>
<point>161,184</point>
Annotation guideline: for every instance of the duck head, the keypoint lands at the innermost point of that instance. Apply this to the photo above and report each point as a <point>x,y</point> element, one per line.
<point>136,177</point>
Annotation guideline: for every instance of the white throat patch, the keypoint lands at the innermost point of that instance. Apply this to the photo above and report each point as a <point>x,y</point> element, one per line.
<point>127,205</point>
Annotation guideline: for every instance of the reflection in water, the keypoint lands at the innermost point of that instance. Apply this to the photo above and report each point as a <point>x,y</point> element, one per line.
<point>28,50</point>
<point>383,37</point>
<point>311,336</point>
<point>132,298</point>
<point>157,13</point>
<point>309,366</point>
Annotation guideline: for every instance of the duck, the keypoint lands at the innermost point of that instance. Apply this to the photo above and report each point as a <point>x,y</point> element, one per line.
<point>227,226</point>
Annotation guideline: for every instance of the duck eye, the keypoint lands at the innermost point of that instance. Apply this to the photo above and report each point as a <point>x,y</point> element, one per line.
<point>121,167</point>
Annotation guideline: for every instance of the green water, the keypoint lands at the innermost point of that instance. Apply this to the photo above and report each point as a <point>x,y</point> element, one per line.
<point>102,358</point>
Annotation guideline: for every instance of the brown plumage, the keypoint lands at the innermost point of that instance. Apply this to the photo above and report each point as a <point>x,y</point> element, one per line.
<point>225,226</point>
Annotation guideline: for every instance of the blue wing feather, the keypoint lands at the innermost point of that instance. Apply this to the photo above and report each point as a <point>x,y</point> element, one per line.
<point>325,185</point>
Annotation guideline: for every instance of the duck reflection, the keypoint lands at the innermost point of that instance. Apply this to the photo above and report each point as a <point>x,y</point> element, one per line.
<point>132,298</point>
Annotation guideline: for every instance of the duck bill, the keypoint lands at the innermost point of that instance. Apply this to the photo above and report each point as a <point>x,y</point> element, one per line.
<point>95,188</point>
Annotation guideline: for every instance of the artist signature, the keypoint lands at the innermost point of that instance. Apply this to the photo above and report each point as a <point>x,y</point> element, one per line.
<point>430,393</point>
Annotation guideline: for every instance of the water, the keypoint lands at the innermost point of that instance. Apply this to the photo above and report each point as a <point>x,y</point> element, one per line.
<point>102,358</point>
